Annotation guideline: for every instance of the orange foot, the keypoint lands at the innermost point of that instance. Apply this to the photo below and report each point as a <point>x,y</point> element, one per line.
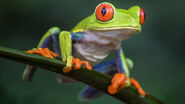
<point>44,52</point>
<point>118,82</point>
<point>78,64</point>
<point>138,87</point>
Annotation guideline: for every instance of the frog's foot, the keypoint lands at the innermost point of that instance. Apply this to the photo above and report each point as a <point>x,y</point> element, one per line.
<point>44,52</point>
<point>138,87</point>
<point>77,63</point>
<point>118,82</point>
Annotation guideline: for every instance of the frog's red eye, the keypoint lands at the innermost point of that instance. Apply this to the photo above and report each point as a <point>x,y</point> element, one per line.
<point>142,16</point>
<point>104,12</point>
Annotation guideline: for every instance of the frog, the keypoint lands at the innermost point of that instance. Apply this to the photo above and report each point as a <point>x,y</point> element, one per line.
<point>92,40</point>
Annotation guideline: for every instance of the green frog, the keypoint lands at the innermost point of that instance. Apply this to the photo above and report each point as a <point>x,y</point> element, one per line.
<point>91,40</point>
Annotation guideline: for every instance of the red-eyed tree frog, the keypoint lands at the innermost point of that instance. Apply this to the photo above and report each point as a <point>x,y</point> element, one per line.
<point>91,40</point>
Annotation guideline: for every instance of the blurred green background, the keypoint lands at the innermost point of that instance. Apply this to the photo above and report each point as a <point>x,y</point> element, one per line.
<point>158,51</point>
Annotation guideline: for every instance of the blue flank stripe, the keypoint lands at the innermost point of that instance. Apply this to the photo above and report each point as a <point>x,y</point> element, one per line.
<point>46,42</point>
<point>56,45</point>
<point>90,93</point>
<point>77,36</point>
<point>105,66</point>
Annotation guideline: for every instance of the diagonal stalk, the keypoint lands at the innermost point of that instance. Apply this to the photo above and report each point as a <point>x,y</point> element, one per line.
<point>90,77</point>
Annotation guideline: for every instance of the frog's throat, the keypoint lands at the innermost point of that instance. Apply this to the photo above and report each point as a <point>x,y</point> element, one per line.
<point>115,33</point>
<point>117,28</point>
<point>109,29</point>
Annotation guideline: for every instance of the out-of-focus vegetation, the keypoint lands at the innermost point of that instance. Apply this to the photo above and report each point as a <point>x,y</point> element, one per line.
<point>158,51</point>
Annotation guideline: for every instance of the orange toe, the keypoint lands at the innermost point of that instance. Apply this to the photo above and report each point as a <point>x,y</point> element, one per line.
<point>88,66</point>
<point>111,89</point>
<point>117,83</point>
<point>78,64</point>
<point>53,54</point>
<point>67,70</point>
<point>44,52</point>
<point>138,87</point>
<point>141,92</point>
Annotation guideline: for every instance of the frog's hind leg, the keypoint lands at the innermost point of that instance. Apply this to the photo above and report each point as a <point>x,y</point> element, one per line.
<point>50,35</point>
<point>89,92</point>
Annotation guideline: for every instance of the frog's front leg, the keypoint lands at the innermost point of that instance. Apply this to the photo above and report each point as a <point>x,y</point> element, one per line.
<point>62,43</point>
<point>122,79</point>
<point>65,40</point>
<point>42,49</point>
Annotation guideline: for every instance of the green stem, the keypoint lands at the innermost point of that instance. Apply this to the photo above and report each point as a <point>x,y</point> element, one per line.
<point>92,78</point>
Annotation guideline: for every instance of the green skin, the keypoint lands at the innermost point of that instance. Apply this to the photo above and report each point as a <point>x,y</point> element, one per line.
<point>106,34</point>
<point>122,20</point>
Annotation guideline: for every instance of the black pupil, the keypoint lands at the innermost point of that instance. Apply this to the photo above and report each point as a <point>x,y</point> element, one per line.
<point>103,11</point>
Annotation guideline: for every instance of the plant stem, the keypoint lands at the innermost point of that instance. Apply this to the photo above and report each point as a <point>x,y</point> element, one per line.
<point>90,77</point>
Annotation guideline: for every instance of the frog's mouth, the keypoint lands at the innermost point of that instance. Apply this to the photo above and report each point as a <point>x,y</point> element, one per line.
<point>116,33</point>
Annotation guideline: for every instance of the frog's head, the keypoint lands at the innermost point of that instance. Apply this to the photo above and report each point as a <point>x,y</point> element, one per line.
<point>114,23</point>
